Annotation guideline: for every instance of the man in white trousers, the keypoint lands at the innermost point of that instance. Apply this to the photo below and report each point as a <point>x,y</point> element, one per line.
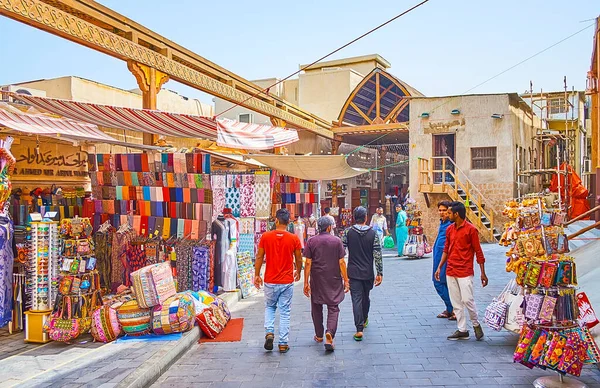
<point>462,244</point>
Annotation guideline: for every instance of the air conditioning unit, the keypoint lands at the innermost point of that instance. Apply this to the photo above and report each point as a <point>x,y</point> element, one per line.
<point>587,166</point>
<point>20,90</point>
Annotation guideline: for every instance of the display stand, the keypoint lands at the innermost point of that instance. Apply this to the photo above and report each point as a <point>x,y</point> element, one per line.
<point>559,381</point>
<point>416,235</point>
<point>44,264</point>
<point>551,337</point>
<point>34,326</point>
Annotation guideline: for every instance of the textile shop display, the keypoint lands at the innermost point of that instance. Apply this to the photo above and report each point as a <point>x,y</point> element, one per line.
<point>552,336</point>
<point>213,318</point>
<point>166,194</point>
<point>300,197</point>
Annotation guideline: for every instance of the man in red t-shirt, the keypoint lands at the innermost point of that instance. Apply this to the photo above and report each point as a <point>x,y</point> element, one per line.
<point>462,243</point>
<point>281,248</point>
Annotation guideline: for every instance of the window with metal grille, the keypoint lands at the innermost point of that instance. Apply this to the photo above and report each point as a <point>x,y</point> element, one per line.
<point>557,105</point>
<point>483,158</point>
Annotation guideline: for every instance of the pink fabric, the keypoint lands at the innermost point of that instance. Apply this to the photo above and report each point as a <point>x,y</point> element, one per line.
<point>248,197</point>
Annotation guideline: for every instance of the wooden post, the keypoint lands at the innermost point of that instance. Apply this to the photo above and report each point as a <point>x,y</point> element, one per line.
<point>335,147</point>
<point>150,81</point>
<point>444,174</point>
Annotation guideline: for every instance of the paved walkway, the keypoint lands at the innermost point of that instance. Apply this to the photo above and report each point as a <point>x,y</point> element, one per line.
<point>405,345</point>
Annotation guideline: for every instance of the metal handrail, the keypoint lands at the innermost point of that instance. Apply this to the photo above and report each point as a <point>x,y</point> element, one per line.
<point>466,185</point>
<point>581,216</point>
<point>483,198</point>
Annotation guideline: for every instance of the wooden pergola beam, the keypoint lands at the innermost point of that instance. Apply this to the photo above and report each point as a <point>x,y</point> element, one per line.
<point>90,24</point>
<point>370,128</point>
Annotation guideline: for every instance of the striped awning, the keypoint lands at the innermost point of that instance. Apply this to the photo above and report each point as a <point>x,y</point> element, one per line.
<point>227,133</point>
<point>45,125</point>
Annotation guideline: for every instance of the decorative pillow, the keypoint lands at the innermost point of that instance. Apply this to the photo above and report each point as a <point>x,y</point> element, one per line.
<point>134,319</point>
<point>143,287</point>
<point>176,315</point>
<point>208,323</point>
<point>206,297</point>
<point>105,324</point>
<point>219,314</point>
<point>163,281</point>
<point>223,307</point>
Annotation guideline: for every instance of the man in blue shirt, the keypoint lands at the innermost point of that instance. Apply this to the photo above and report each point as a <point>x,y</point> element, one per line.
<point>441,286</point>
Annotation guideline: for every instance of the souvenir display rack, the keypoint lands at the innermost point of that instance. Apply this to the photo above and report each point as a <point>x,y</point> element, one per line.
<point>79,286</point>
<point>551,337</point>
<point>44,260</point>
<point>416,235</point>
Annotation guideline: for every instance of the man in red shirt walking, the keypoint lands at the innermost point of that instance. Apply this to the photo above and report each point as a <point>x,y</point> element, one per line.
<point>462,243</point>
<point>281,248</point>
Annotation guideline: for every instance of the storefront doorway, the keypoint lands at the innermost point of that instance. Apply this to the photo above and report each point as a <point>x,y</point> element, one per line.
<point>443,146</point>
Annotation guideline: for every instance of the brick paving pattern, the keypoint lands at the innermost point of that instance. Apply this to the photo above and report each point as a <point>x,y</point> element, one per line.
<point>404,345</point>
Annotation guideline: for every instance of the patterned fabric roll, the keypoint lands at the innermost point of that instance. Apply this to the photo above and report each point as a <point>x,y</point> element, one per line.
<point>134,320</point>
<point>105,324</point>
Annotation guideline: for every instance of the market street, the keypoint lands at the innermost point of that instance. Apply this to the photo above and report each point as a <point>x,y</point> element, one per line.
<point>405,344</point>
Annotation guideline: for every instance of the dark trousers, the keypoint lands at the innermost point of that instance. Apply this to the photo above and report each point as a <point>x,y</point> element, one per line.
<point>359,291</point>
<point>442,290</point>
<point>333,312</point>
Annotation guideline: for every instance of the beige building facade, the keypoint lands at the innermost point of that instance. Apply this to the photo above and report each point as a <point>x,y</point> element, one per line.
<point>484,136</point>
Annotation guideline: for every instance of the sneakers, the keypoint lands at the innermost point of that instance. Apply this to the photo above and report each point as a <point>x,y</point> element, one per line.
<point>460,335</point>
<point>478,332</point>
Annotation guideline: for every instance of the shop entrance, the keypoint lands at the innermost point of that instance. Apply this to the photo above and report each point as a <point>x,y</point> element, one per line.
<point>443,146</point>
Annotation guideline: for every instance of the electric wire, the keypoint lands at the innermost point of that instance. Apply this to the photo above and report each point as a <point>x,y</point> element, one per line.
<point>266,90</point>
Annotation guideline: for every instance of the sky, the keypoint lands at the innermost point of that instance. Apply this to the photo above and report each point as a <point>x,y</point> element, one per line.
<point>445,47</point>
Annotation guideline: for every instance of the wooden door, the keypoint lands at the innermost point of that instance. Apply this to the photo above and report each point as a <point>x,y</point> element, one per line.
<point>355,198</point>
<point>374,200</point>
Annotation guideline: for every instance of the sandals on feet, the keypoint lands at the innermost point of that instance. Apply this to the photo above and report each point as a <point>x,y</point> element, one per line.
<point>452,317</point>
<point>358,337</point>
<point>445,315</point>
<point>283,348</point>
<point>329,342</point>
<point>318,339</point>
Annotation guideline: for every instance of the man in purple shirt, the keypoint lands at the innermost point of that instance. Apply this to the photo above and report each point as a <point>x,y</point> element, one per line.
<point>325,279</point>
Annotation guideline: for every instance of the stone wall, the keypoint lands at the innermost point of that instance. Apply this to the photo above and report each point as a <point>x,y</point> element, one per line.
<point>430,219</point>
<point>497,194</point>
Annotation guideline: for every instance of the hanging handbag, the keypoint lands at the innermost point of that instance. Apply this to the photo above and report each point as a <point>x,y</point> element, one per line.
<point>421,249</point>
<point>410,247</point>
<point>495,312</point>
<point>83,247</point>
<point>428,248</point>
<point>64,327</point>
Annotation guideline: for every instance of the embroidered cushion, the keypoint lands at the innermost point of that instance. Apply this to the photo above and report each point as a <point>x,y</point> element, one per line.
<point>134,319</point>
<point>105,324</point>
<point>208,323</point>
<point>153,284</point>
<point>176,315</point>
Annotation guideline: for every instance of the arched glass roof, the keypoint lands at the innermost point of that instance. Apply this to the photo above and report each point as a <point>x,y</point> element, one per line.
<point>380,98</point>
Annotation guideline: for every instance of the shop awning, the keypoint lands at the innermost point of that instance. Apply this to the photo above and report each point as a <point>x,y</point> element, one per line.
<point>44,125</point>
<point>228,133</point>
<point>310,167</point>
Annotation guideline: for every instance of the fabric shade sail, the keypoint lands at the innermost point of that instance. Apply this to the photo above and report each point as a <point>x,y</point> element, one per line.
<point>227,133</point>
<point>45,125</point>
<point>310,167</point>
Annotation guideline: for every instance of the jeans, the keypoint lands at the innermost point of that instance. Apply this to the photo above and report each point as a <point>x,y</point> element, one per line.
<point>461,295</point>
<point>278,296</point>
<point>333,312</point>
<point>361,303</point>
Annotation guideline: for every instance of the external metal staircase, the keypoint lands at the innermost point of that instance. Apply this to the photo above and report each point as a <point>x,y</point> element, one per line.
<point>440,175</point>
